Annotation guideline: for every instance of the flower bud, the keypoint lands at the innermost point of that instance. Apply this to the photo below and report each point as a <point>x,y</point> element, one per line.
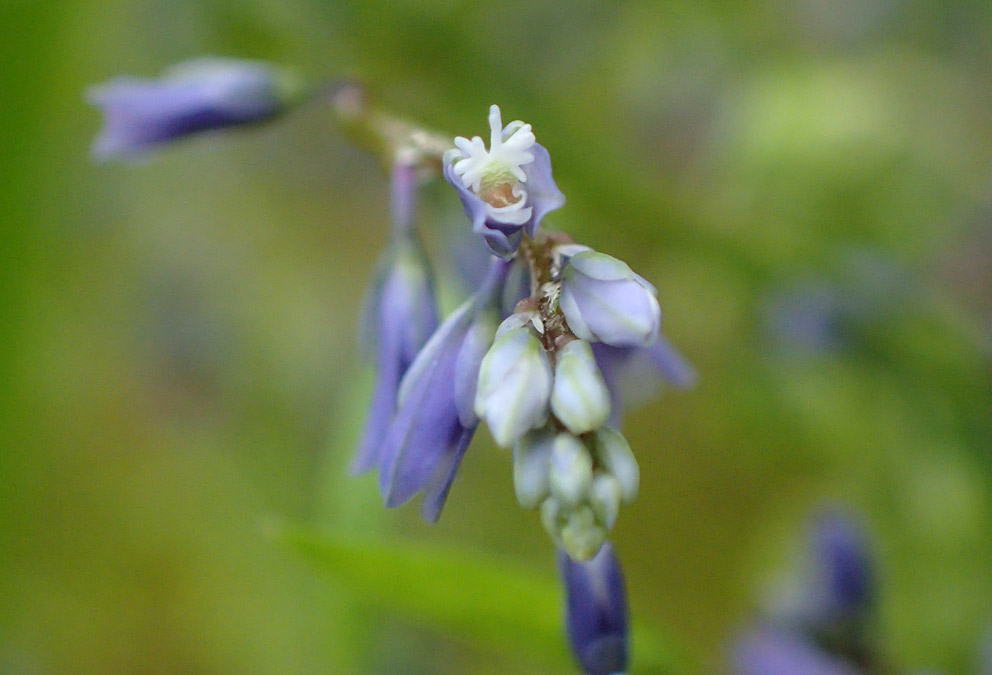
<point>579,399</point>
<point>199,95</point>
<point>531,466</point>
<point>615,455</point>
<point>552,518</point>
<point>596,611</point>
<point>514,386</point>
<point>571,470</point>
<point>582,536</point>
<point>604,301</point>
<point>605,499</point>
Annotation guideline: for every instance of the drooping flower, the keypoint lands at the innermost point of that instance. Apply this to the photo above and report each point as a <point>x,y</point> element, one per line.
<point>604,301</point>
<point>435,420</point>
<point>507,189</point>
<point>400,315</point>
<point>195,96</point>
<point>633,374</point>
<point>596,611</point>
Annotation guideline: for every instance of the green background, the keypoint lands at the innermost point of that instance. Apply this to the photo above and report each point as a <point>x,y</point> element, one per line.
<point>177,338</point>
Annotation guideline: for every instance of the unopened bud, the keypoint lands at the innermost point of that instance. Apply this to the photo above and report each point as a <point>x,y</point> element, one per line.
<point>571,470</point>
<point>579,399</point>
<point>582,536</point>
<point>531,466</point>
<point>614,453</point>
<point>514,386</point>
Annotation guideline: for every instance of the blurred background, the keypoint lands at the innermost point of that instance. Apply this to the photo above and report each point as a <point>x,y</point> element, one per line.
<point>808,184</point>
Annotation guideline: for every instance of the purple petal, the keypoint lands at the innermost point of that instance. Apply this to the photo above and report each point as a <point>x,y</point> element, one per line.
<point>405,315</point>
<point>436,491</point>
<point>382,407</point>
<point>542,192</point>
<point>477,342</point>
<point>197,96</point>
<point>424,427</point>
<point>774,652</point>
<point>596,611</point>
<point>843,564</point>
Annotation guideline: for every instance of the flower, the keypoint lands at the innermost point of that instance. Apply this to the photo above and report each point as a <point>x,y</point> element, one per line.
<point>507,189</point>
<point>604,301</point>
<point>823,624</point>
<point>596,611</point>
<point>191,97</point>
<point>401,314</point>
<point>632,374</point>
<point>843,571</point>
<point>514,384</point>
<point>771,651</point>
<point>434,420</point>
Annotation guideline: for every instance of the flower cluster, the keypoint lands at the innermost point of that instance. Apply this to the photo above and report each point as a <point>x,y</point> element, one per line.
<point>547,377</point>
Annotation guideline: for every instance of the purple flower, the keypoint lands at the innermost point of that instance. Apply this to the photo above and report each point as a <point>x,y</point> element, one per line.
<point>632,374</point>
<point>507,189</point>
<point>596,611</point>
<point>435,420</point>
<point>770,651</point>
<point>194,96</point>
<point>843,570</point>
<point>604,301</point>
<point>400,316</point>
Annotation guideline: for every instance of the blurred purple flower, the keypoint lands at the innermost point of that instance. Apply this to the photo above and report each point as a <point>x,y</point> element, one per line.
<point>435,420</point>
<point>843,568</point>
<point>400,316</point>
<point>507,189</point>
<point>770,651</point>
<point>596,611</point>
<point>632,374</point>
<point>191,97</point>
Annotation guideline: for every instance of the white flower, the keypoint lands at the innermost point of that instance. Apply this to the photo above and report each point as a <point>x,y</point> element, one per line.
<point>495,175</point>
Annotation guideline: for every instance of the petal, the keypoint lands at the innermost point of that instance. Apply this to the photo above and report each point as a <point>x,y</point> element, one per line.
<point>436,492</point>
<point>769,651</point>
<point>192,97</point>
<point>381,409</point>
<point>543,194</point>
<point>600,266</point>
<point>477,342</point>
<point>596,611</point>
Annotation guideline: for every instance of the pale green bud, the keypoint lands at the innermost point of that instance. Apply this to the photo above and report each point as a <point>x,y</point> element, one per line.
<point>605,499</point>
<point>579,399</point>
<point>571,470</point>
<point>582,535</point>
<point>531,466</point>
<point>514,386</point>
<point>552,518</point>
<point>615,455</point>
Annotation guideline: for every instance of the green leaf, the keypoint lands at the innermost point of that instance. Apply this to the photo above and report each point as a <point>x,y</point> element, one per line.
<point>490,602</point>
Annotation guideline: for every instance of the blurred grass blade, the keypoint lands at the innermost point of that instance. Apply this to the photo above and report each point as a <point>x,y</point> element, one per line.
<point>491,602</point>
